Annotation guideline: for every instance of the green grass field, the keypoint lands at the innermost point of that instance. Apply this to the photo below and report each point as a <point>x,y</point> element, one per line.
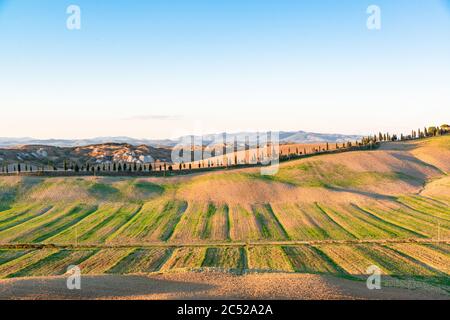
<point>330,214</point>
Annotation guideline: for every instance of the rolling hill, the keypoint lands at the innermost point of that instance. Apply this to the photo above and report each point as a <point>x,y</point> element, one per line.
<point>329,214</point>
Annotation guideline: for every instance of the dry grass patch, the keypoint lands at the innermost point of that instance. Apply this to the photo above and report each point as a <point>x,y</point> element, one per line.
<point>268,259</point>
<point>103,260</point>
<point>54,264</point>
<point>13,266</point>
<point>185,258</point>
<point>348,258</point>
<point>142,261</point>
<point>425,254</point>
<point>233,259</point>
<point>308,259</point>
<point>243,225</point>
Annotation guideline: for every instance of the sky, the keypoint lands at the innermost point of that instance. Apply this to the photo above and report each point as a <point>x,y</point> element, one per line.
<point>165,68</point>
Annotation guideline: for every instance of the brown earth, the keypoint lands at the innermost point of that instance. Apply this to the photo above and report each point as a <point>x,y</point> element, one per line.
<point>207,285</point>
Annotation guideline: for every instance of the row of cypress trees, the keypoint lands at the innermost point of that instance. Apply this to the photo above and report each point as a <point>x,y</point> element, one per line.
<point>369,141</point>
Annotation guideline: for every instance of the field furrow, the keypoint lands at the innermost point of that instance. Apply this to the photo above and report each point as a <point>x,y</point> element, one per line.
<point>421,207</point>
<point>396,230</point>
<point>243,225</point>
<point>42,231</point>
<point>233,259</point>
<point>268,224</point>
<point>9,255</point>
<point>308,259</point>
<point>433,203</point>
<point>142,224</point>
<point>271,258</point>
<point>185,258</point>
<point>15,216</point>
<point>408,218</point>
<point>348,258</point>
<point>106,228</point>
<point>57,212</point>
<point>142,260</point>
<point>208,222</point>
<point>441,247</point>
<point>220,224</point>
<point>156,223</point>
<point>393,263</point>
<point>76,231</point>
<point>58,225</point>
<point>192,223</point>
<point>103,260</point>
<point>426,255</point>
<point>330,228</point>
<point>366,223</point>
<point>14,213</point>
<point>13,266</point>
<point>55,264</point>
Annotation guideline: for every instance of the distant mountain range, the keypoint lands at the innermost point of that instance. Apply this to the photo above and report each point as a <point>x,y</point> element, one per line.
<point>45,155</point>
<point>284,137</point>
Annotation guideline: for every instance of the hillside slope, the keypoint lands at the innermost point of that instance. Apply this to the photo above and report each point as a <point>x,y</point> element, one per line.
<point>333,214</point>
<point>303,191</point>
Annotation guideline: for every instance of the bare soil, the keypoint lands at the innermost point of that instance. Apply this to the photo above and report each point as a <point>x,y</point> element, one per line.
<point>207,285</point>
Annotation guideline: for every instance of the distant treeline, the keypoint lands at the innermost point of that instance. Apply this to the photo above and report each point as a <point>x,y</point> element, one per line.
<point>71,168</point>
<point>414,135</point>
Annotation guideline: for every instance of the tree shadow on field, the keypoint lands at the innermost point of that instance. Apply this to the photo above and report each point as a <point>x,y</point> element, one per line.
<point>362,193</point>
<point>395,146</point>
<point>392,287</point>
<point>97,287</point>
<point>414,173</point>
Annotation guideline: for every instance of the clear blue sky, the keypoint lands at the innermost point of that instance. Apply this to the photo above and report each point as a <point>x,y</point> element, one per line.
<point>162,68</point>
